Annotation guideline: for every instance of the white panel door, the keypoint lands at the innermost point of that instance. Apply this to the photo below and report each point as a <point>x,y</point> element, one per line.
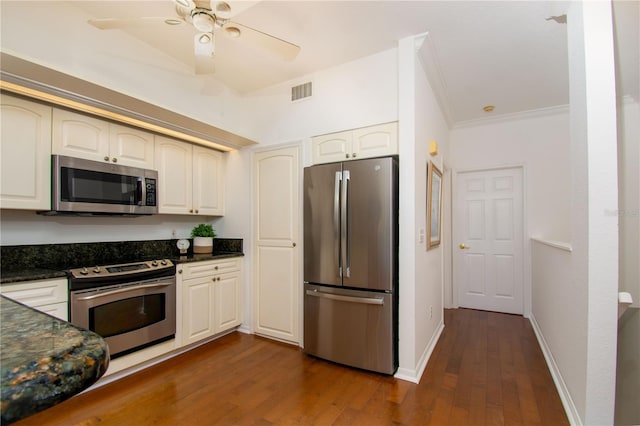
<point>488,240</point>
<point>277,212</point>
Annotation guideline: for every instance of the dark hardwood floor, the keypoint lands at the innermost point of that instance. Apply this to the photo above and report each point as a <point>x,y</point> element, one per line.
<point>487,369</point>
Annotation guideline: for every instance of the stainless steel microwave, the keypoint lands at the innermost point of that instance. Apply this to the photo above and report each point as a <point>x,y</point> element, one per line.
<point>92,187</point>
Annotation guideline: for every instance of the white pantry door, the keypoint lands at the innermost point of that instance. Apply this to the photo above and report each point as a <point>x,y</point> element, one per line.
<point>276,220</point>
<point>488,240</point>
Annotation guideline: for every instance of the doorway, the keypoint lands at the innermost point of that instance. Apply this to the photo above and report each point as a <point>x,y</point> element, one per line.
<point>488,235</point>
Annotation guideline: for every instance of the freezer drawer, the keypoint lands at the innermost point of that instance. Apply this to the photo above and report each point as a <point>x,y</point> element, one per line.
<point>350,327</point>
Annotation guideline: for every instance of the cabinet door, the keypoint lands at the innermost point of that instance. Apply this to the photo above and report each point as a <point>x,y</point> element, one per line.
<point>198,299</point>
<point>227,301</point>
<point>80,136</point>
<point>25,154</point>
<point>332,147</point>
<point>131,147</point>
<point>173,160</point>
<point>208,185</point>
<point>375,141</point>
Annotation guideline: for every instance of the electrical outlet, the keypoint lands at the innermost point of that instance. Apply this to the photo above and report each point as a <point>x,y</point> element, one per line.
<point>430,312</point>
<point>173,234</point>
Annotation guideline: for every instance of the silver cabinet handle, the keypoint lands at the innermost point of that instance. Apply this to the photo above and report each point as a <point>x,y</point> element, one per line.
<point>352,299</point>
<point>122,290</point>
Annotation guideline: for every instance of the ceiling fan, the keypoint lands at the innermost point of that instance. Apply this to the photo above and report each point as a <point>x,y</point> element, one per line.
<point>206,17</point>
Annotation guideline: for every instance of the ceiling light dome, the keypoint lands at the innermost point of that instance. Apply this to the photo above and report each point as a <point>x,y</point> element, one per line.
<point>203,21</point>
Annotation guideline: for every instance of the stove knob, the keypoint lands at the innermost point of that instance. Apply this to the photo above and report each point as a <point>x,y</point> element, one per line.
<point>154,263</point>
<point>84,271</point>
<point>97,270</point>
<point>164,262</point>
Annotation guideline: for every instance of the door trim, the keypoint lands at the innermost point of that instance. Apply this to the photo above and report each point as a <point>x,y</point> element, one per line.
<point>526,245</point>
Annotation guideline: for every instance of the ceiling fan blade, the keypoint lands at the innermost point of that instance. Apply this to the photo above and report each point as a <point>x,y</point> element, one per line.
<point>116,23</point>
<point>281,48</point>
<point>204,50</point>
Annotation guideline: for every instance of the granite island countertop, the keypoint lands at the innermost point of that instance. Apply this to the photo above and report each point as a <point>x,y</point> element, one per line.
<point>43,360</point>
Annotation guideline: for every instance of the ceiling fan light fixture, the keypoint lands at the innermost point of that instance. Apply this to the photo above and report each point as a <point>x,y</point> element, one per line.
<point>185,3</point>
<point>203,21</point>
<point>233,32</point>
<point>204,38</point>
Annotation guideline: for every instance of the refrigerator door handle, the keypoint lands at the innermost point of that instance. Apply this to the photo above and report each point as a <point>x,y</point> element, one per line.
<point>346,258</point>
<point>336,220</point>
<point>352,299</point>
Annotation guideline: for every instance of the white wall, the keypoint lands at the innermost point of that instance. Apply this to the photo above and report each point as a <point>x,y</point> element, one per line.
<point>421,271</point>
<point>539,141</point>
<point>627,409</point>
<point>355,94</point>
<point>22,227</point>
<point>594,236</point>
<point>629,184</point>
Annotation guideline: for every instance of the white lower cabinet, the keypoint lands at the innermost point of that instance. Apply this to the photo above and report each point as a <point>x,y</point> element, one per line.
<point>48,296</point>
<point>211,298</point>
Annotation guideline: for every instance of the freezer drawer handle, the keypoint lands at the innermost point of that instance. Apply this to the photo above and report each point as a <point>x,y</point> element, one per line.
<point>364,300</point>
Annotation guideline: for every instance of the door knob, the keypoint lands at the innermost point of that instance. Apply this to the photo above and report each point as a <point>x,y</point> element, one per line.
<point>464,247</point>
<point>294,244</point>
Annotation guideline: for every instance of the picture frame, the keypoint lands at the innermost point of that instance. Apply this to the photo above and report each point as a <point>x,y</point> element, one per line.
<point>434,205</point>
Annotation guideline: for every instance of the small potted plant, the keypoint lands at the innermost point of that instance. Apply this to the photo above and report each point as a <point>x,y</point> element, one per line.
<point>203,235</point>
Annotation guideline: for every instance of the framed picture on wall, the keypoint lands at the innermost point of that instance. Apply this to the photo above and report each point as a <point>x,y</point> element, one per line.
<point>434,205</point>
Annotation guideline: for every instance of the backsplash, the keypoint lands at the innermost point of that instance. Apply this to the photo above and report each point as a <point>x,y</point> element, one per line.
<point>63,256</point>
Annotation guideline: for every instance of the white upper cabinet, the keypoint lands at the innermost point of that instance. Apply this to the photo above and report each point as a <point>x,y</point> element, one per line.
<point>25,155</point>
<point>208,175</point>
<point>191,178</point>
<point>131,147</point>
<point>367,142</point>
<point>81,136</point>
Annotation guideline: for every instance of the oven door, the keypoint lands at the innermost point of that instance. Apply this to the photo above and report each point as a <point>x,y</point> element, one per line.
<point>128,316</point>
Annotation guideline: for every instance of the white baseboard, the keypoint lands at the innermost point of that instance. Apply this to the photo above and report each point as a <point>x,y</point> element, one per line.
<point>414,375</point>
<point>563,391</point>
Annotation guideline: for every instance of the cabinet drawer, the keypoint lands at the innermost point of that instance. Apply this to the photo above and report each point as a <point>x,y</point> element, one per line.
<point>58,310</point>
<point>37,293</point>
<point>208,268</point>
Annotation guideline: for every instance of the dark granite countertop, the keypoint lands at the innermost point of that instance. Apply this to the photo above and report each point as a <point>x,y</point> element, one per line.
<point>47,261</point>
<point>14,277</point>
<point>44,360</point>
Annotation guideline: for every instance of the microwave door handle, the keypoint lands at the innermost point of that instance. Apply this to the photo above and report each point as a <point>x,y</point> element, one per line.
<point>141,192</point>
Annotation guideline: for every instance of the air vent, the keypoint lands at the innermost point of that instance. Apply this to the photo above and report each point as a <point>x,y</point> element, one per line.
<point>301,91</point>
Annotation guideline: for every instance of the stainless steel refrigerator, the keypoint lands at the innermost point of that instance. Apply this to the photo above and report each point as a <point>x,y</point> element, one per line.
<point>351,263</point>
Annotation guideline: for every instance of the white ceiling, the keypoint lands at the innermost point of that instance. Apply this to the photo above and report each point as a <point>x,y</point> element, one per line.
<point>503,53</point>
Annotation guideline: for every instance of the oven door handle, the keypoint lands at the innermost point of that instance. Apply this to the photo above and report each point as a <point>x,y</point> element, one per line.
<point>122,290</point>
